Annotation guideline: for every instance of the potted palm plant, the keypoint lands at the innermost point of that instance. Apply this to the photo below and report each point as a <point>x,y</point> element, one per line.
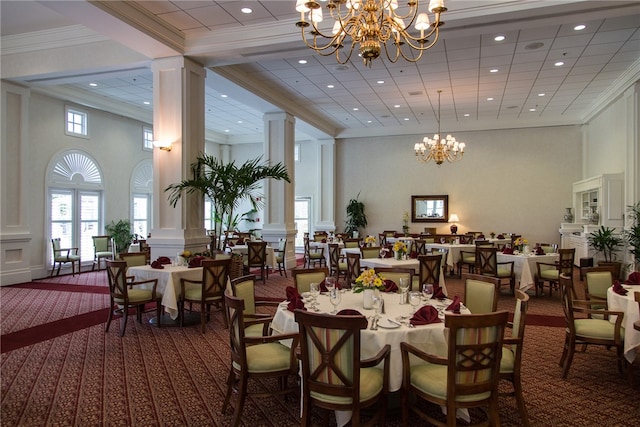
<point>226,185</point>
<point>605,241</point>
<point>356,218</point>
<point>121,233</point>
<point>632,234</point>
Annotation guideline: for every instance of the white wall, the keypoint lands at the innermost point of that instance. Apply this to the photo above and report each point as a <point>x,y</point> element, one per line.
<point>508,181</point>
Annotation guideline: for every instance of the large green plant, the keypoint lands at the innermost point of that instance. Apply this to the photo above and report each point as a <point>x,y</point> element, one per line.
<point>356,218</point>
<point>605,240</point>
<point>121,233</point>
<point>226,184</point>
<point>632,233</point>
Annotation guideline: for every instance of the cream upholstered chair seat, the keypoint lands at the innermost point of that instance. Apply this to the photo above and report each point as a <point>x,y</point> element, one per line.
<point>371,383</point>
<point>269,357</point>
<point>256,324</point>
<point>431,379</point>
<point>596,328</point>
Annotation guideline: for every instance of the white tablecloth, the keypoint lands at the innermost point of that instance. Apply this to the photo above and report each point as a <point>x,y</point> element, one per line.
<point>168,282</point>
<point>431,338</point>
<point>628,305</point>
<point>325,247</point>
<point>394,263</point>
<point>524,266</point>
<point>453,251</point>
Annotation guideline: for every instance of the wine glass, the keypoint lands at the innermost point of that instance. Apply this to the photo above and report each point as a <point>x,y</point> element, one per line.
<point>335,297</point>
<point>314,290</point>
<point>414,300</point>
<point>376,303</point>
<point>330,283</point>
<point>404,288</point>
<point>427,291</point>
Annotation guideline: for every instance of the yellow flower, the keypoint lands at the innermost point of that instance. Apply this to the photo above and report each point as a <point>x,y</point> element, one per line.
<point>368,279</point>
<point>399,246</point>
<point>369,239</point>
<point>185,254</point>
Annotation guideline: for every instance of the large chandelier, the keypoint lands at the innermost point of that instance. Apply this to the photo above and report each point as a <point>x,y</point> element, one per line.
<point>439,149</point>
<point>370,24</point>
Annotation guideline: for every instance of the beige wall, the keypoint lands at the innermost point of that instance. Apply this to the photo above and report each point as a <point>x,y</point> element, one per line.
<point>509,181</point>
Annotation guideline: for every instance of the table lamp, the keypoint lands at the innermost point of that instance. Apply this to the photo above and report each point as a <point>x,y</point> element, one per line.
<point>453,218</point>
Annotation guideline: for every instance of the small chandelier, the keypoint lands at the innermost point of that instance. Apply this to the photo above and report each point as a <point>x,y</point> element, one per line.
<point>370,24</point>
<point>437,149</point>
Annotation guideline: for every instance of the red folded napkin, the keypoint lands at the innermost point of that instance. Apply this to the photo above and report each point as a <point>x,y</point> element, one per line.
<point>230,244</point>
<point>426,315</point>
<point>296,303</point>
<point>438,293</point>
<point>240,241</point>
<point>500,236</point>
<point>455,305</point>
<point>481,237</point>
<point>634,278</point>
<point>507,250</point>
<point>390,286</point>
<point>386,253</point>
<point>618,289</point>
<point>196,261</point>
<point>413,255</point>
<point>323,241</point>
<point>292,293</point>
<point>156,264</point>
<point>349,312</point>
<point>539,250</point>
<point>164,260</point>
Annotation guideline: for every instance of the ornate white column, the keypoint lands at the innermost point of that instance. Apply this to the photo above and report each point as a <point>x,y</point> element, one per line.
<point>15,231</point>
<point>324,208</point>
<point>178,119</point>
<point>279,196</point>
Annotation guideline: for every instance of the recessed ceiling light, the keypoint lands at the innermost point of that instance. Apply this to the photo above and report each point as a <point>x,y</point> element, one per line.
<point>467,115</point>
<point>246,10</point>
<point>302,61</point>
<point>499,38</point>
<point>559,64</point>
<point>489,99</point>
<point>493,70</point>
<point>146,103</point>
<point>239,122</point>
<point>406,119</point>
<point>93,84</point>
<point>541,94</point>
<point>226,130</point>
<point>580,27</point>
<point>396,106</point>
<point>330,86</point>
<point>380,82</point>
<point>355,108</point>
<point>224,96</point>
<point>532,109</point>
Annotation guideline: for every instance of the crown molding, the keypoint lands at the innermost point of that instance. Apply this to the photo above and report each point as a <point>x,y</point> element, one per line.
<point>50,39</point>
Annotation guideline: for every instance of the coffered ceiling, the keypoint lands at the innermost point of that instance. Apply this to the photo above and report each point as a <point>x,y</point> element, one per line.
<point>253,63</point>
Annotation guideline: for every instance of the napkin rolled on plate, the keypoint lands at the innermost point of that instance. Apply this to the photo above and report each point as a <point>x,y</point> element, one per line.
<point>425,316</point>
<point>164,260</point>
<point>618,289</point>
<point>454,306</point>
<point>196,262</point>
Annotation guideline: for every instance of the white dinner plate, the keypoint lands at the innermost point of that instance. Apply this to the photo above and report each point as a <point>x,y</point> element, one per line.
<point>386,324</point>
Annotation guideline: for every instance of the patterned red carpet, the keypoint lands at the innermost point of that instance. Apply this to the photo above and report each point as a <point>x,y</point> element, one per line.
<point>58,367</point>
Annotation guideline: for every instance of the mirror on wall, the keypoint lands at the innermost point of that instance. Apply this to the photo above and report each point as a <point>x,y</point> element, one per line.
<point>429,208</point>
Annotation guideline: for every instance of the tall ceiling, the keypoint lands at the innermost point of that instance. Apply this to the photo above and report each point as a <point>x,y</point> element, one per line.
<point>253,64</point>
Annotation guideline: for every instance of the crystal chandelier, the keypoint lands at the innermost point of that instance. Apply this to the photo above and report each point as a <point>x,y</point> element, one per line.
<point>370,24</point>
<point>438,149</point>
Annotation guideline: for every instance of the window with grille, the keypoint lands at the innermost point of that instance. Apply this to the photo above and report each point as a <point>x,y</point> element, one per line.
<point>76,122</point>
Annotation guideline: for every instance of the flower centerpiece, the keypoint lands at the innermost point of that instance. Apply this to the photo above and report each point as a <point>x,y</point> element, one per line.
<point>520,244</point>
<point>405,223</point>
<point>399,249</point>
<point>492,234</point>
<point>184,257</point>
<point>368,282</point>
<point>369,240</point>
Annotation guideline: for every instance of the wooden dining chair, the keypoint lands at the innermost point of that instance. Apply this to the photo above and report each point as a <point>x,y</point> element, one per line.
<point>420,246</point>
<point>257,258</point>
<point>481,293</point>
<point>313,256</point>
<point>550,273</point>
<point>395,274</point>
<point>103,249</point>
<point>256,358</point>
<point>123,294</point>
<point>467,377</point>
<point>430,269</point>
<point>64,255</point>
<point>488,265</point>
<point>303,277</point>
<point>597,281</point>
<point>244,288</point>
<point>207,292</point>
<point>353,268</point>
<point>334,376</point>
<point>370,252</point>
<point>337,264</point>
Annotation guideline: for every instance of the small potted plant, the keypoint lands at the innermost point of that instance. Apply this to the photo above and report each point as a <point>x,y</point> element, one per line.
<point>121,234</point>
<point>632,234</point>
<point>356,218</point>
<point>605,241</point>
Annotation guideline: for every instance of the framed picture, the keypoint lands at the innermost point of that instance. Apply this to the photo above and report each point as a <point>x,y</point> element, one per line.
<point>429,208</point>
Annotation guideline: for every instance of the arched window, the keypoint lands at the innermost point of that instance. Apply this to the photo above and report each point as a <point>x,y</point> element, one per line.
<point>75,191</point>
<point>141,198</point>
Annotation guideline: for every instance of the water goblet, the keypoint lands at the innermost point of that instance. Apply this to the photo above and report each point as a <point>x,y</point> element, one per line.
<point>330,283</point>
<point>404,288</point>
<point>427,291</point>
<point>314,290</point>
<point>335,297</point>
<point>414,300</point>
